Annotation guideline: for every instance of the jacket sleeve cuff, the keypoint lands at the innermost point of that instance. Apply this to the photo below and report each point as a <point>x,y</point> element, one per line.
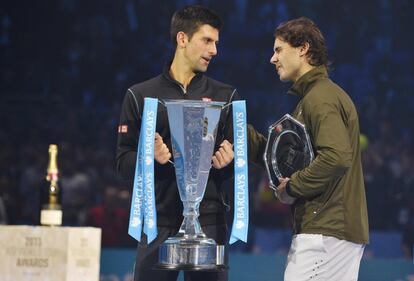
<point>289,190</point>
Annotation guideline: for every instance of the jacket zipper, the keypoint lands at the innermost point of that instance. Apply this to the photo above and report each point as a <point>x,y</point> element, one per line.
<point>182,88</point>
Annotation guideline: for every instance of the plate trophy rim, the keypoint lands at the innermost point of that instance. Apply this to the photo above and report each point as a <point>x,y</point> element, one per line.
<point>271,128</point>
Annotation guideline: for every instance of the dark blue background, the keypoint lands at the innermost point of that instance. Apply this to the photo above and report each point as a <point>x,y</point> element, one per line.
<point>66,64</point>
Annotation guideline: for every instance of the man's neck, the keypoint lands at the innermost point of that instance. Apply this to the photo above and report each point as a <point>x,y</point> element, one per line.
<point>304,69</point>
<point>181,72</point>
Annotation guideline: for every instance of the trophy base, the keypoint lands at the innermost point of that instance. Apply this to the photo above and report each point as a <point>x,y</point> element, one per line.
<point>191,254</point>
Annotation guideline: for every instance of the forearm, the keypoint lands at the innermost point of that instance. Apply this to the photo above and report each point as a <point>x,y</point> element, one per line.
<point>328,167</point>
<point>125,165</point>
<point>256,145</point>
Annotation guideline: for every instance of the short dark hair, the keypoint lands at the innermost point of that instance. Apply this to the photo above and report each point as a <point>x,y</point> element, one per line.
<point>190,18</point>
<point>297,32</point>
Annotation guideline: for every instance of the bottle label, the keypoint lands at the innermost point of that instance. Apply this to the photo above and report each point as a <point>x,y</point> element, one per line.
<point>51,217</point>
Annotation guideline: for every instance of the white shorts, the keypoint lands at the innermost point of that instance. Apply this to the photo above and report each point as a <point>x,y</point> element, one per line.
<point>319,257</point>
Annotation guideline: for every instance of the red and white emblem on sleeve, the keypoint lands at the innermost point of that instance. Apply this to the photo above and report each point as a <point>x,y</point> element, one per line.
<point>123,129</point>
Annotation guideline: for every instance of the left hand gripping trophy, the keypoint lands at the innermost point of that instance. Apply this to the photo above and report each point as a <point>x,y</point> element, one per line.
<point>193,126</point>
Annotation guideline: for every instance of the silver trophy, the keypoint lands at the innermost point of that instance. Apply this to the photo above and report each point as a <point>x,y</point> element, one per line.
<point>288,149</point>
<point>193,127</point>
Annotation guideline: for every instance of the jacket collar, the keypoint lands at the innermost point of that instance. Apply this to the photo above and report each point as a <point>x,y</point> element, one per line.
<point>302,86</point>
<point>194,83</point>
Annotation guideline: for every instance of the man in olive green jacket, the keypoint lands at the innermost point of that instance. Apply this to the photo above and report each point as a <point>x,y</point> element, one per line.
<point>327,197</point>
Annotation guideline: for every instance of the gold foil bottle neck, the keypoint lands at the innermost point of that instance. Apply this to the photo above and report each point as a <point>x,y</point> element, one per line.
<point>52,168</point>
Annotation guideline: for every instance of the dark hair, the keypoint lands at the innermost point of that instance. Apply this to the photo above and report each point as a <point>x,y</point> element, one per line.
<point>297,32</point>
<point>190,18</point>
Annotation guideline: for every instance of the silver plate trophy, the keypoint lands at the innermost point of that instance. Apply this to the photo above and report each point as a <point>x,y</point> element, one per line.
<point>193,127</point>
<point>288,149</point>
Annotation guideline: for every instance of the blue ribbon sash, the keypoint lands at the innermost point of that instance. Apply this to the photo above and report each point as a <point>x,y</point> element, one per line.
<point>143,209</point>
<point>241,180</point>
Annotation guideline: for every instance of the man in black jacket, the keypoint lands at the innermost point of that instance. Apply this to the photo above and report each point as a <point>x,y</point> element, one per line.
<point>195,33</point>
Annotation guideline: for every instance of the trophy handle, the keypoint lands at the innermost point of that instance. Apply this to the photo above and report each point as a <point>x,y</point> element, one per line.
<point>222,129</point>
<point>162,103</point>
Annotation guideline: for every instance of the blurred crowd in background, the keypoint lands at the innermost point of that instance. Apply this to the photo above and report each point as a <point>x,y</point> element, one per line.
<point>66,65</point>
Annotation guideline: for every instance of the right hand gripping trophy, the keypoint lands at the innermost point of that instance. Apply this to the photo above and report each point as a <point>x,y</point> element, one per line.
<point>193,126</point>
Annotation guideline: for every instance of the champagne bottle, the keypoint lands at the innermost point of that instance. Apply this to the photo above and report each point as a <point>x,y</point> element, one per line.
<point>51,213</point>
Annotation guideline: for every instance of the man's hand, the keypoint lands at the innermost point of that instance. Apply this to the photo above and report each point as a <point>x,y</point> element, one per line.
<point>281,193</point>
<point>161,152</point>
<point>223,156</point>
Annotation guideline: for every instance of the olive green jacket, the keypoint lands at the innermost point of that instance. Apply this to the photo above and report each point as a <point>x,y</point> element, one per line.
<point>330,192</point>
<point>256,146</point>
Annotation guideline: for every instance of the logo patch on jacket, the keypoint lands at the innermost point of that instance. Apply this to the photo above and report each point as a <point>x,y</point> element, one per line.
<point>123,129</point>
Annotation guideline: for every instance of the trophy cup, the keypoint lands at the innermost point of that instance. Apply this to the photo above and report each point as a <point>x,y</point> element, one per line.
<point>288,149</point>
<point>193,127</point>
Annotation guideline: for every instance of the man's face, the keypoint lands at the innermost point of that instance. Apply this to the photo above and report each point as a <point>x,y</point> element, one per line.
<point>287,60</point>
<point>201,48</point>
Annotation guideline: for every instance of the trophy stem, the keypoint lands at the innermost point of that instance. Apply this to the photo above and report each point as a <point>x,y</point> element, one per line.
<point>190,227</point>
